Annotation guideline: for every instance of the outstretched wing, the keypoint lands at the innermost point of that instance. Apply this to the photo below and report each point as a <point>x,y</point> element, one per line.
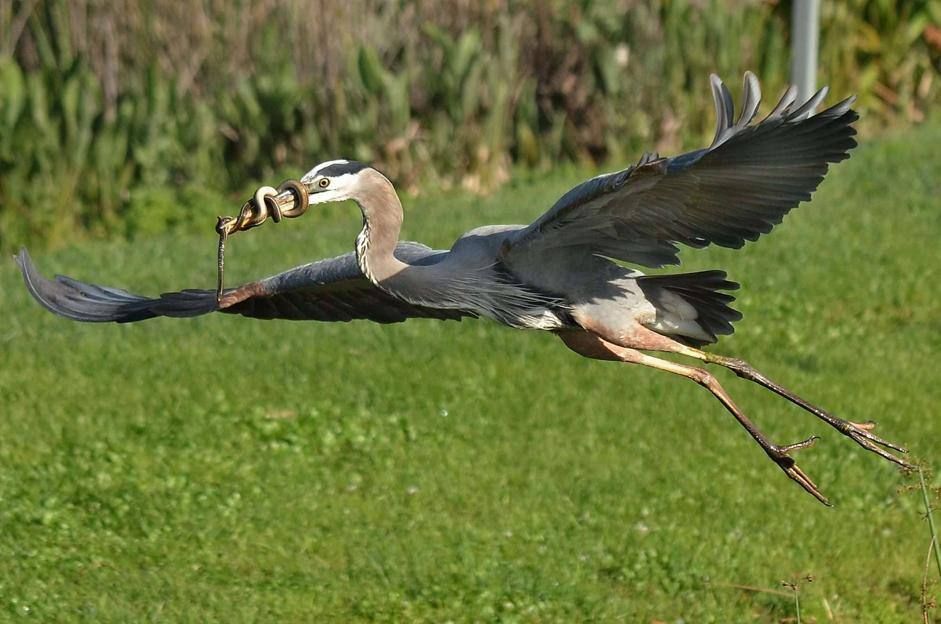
<point>329,290</point>
<point>738,188</point>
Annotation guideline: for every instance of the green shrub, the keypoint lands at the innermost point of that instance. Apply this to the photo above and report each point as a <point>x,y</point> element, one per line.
<point>109,120</point>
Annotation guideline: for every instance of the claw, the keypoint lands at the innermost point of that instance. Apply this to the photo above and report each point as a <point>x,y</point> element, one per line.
<point>780,456</point>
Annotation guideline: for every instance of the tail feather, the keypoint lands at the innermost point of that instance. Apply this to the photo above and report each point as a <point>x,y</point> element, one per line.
<point>701,290</point>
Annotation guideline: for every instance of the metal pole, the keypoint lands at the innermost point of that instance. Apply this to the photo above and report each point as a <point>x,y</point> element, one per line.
<point>805,36</point>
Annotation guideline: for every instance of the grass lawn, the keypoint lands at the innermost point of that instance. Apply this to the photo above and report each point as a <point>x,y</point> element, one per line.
<point>228,470</point>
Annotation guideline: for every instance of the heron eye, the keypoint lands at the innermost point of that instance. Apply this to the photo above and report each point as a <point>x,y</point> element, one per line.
<point>324,182</point>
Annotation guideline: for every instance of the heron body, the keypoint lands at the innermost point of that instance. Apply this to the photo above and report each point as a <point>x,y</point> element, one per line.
<point>565,272</point>
<point>483,275</point>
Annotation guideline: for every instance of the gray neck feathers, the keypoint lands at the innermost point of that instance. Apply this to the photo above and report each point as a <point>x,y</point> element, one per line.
<point>433,286</point>
<point>472,283</point>
<point>382,222</point>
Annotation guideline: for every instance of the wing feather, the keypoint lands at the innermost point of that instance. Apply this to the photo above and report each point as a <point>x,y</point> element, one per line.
<point>328,290</point>
<point>735,190</point>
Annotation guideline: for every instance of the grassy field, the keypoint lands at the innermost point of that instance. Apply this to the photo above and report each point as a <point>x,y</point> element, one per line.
<point>228,470</point>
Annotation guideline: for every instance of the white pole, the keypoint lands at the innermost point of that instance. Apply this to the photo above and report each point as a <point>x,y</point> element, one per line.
<point>805,36</point>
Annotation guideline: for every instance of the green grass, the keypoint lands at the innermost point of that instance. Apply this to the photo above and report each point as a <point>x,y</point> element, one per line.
<point>225,470</point>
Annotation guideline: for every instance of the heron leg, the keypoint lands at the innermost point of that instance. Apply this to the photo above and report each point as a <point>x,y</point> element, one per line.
<point>593,346</point>
<point>861,433</point>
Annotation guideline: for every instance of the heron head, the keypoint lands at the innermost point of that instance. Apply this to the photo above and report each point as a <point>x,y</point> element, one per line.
<point>335,180</point>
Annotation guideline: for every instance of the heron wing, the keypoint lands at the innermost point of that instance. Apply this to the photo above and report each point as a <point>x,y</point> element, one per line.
<point>328,290</point>
<point>735,190</point>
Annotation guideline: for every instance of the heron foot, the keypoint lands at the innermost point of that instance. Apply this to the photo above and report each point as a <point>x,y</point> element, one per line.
<point>862,434</point>
<point>781,455</point>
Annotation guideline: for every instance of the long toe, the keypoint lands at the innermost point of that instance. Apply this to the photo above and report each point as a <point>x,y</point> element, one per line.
<point>797,446</point>
<point>862,434</point>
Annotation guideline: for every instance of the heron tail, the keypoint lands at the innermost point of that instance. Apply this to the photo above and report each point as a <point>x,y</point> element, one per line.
<point>706,313</point>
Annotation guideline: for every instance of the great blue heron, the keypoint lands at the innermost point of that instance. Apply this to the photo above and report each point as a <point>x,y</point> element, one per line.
<point>558,274</point>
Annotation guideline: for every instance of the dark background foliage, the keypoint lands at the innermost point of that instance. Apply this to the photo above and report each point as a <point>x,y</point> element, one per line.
<point>131,117</point>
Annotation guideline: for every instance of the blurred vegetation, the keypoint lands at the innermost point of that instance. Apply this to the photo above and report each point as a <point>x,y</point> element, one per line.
<point>129,118</point>
<point>224,470</point>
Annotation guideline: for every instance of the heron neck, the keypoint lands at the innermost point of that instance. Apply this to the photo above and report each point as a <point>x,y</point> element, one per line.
<point>382,223</point>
